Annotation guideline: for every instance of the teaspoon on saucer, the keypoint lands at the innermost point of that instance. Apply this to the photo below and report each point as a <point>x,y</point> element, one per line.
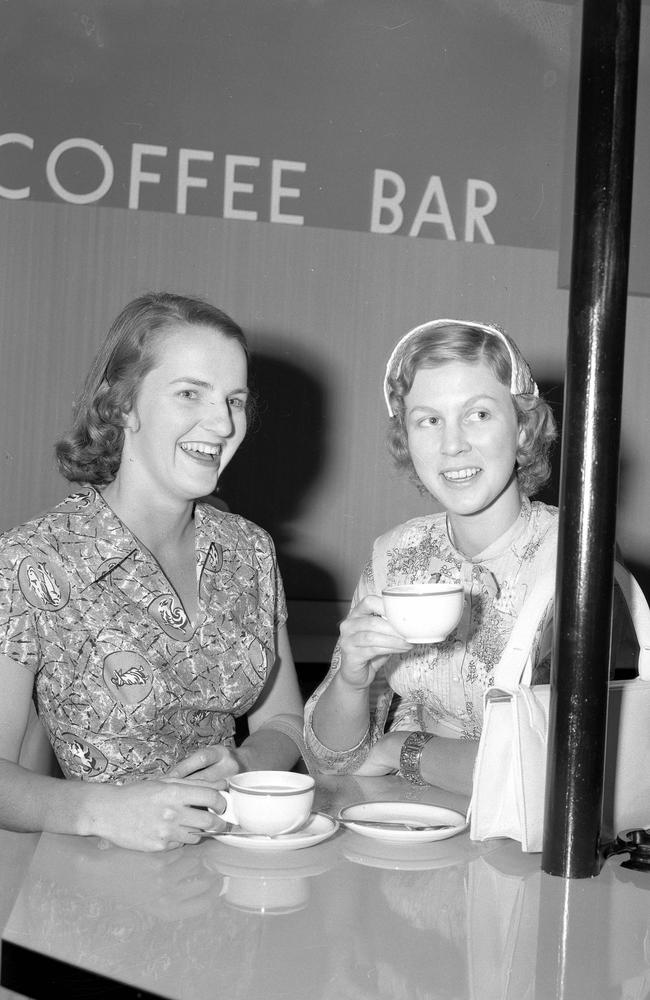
<point>232,831</point>
<point>394,824</point>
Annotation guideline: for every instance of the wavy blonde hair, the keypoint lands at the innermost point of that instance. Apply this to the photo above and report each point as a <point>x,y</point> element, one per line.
<point>463,342</point>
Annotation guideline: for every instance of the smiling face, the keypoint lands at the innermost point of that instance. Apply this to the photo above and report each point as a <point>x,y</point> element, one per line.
<point>189,415</point>
<point>463,436</point>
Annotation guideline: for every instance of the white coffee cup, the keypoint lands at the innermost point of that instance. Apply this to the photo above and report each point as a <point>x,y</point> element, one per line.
<point>424,612</point>
<point>269,802</point>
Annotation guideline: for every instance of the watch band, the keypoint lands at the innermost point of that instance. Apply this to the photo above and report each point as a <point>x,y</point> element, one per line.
<point>411,755</point>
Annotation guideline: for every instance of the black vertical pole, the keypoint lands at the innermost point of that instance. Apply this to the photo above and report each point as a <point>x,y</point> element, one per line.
<point>591,436</point>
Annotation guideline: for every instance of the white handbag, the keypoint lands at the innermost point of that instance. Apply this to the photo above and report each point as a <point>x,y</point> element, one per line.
<point>510,770</point>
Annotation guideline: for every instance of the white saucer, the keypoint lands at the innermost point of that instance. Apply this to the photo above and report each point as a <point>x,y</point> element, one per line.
<point>318,827</point>
<point>406,812</point>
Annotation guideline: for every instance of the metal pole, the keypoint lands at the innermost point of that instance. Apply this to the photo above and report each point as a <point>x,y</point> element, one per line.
<point>591,436</point>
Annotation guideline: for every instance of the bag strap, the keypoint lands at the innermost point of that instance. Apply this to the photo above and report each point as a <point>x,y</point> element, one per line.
<point>515,663</point>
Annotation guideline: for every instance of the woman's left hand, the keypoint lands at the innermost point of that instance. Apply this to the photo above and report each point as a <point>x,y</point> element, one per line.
<point>384,755</point>
<point>210,764</point>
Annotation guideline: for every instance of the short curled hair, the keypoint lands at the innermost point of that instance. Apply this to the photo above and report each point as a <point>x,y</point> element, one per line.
<point>464,342</point>
<point>92,451</point>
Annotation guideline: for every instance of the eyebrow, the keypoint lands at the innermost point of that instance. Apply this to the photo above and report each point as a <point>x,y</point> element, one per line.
<point>202,384</point>
<point>468,402</point>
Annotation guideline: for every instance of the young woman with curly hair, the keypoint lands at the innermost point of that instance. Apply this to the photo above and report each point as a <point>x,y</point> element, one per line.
<point>140,621</point>
<point>469,427</point>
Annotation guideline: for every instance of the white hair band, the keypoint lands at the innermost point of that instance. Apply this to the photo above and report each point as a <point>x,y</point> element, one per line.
<point>521,379</point>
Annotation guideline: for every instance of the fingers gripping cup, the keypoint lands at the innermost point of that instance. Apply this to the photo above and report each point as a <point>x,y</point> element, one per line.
<point>424,612</point>
<point>269,802</point>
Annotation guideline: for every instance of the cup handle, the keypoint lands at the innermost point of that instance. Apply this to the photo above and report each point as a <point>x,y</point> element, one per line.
<point>229,814</point>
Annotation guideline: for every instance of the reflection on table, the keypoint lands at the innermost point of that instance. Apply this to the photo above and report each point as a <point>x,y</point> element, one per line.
<point>350,917</point>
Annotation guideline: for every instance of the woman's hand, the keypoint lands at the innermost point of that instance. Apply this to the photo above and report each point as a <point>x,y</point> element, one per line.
<point>366,641</point>
<point>384,756</point>
<point>211,764</point>
<point>342,710</point>
<point>155,814</point>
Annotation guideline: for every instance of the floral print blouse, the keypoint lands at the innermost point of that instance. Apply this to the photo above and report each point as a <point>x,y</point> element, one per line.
<point>440,688</point>
<point>125,684</point>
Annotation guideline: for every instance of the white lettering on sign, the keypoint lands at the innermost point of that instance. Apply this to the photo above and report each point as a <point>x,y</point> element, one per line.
<point>387,202</point>
<point>247,181</point>
<point>187,180</point>
<point>433,196</point>
<point>138,175</point>
<point>90,196</point>
<point>475,214</point>
<point>231,187</point>
<point>387,213</point>
<point>278,191</point>
<point>9,138</point>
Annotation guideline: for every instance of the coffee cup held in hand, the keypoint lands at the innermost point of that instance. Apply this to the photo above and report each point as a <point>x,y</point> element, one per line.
<point>424,612</point>
<point>269,802</point>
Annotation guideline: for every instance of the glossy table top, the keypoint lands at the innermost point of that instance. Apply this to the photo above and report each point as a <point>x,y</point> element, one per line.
<point>350,917</point>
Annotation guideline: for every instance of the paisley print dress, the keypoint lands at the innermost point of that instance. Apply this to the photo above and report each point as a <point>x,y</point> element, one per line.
<point>440,688</point>
<point>125,684</point>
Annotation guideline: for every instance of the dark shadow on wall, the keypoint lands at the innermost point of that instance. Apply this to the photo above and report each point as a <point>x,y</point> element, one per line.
<point>280,462</point>
<point>553,393</point>
<point>641,571</point>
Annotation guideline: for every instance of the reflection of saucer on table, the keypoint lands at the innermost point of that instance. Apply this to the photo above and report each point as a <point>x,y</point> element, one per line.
<point>409,856</point>
<point>218,856</point>
<point>402,857</point>
<point>268,884</point>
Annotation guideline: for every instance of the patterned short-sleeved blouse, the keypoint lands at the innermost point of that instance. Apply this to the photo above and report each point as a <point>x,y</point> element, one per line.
<point>440,687</point>
<point>125,685</point>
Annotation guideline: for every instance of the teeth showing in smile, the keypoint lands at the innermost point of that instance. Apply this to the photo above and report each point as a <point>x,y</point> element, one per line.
<point>202,447</point>
<point>456,475</point>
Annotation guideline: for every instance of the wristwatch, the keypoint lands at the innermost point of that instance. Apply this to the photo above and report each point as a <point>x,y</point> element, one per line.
<point>411,755</point>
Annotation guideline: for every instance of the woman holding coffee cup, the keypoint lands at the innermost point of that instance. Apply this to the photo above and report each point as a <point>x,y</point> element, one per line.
<point>140,621</point>
<point>468,425</point>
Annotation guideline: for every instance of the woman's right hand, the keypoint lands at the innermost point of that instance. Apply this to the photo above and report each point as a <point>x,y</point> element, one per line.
<point>156,814</point>
<point>366,641</point>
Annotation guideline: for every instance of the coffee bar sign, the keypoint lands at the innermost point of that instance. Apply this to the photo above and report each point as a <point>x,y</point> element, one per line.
<point>405,118</point>
<point>90,163</point>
